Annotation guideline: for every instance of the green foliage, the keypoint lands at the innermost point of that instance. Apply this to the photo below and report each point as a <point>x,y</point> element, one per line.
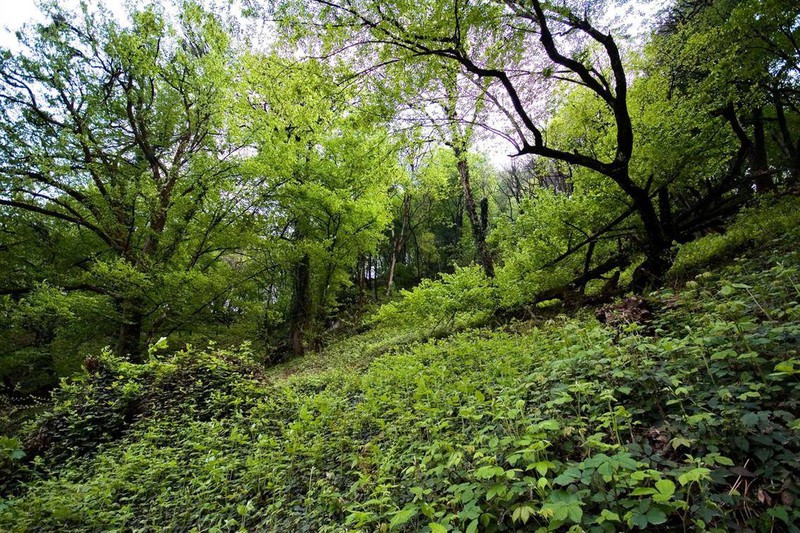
<point>115,184</point>
<point>46,333</point>
<point>464,297</point>
<point>324,166</point>
<point>689,421</point>
<point>160,182</point>
<point>530,242</point>
<point>101,406</point>
<point>761,223</point>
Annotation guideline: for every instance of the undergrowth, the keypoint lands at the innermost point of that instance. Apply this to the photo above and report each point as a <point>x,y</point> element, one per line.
<point>686,421</point>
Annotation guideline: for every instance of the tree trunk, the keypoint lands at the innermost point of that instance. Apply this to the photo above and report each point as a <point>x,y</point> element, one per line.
<point>320,323</point>
<point>372,269</point>
<point>484,215</point>
<point>458,221</point>
<point>478,231</point>
<point>587,263</point>
<point>390,276</point>
<point>656,263</point>
<point>300,311</point>
<point>762,177</point>
<point>398,242</point>
<point>791,150</point>
<point>129,342</point>
<point>361,275</point>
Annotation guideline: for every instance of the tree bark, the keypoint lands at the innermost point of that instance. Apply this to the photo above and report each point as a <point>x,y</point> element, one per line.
<point>398,242</point>
<point>129,341</point>
<point>478,231</point>
<point>656,263</point>
<point>361,275</point>
<point>300,311</point>
<point>484,214</point>
<point>762,177</point>
<point>787,144</point>
<point>372,271</point>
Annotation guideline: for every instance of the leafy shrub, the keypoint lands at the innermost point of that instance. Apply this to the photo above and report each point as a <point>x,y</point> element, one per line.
<point>539,234</point>
<point>465,296</point>
<point>11,455</point>
<point>114,394</point>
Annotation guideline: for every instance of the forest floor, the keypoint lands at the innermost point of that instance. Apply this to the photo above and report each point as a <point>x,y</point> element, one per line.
<point>678,411</point>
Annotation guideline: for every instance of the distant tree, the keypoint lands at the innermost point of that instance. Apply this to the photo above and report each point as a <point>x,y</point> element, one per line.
<point>325,167</point>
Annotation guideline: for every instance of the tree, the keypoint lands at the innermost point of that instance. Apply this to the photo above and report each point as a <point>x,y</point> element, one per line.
<point>741,61</point>
<point>116,131</point>
<point>512,44</point>
<point>325,167</point>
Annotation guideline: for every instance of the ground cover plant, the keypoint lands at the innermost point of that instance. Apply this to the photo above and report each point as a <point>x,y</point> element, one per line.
<point>685,420</point>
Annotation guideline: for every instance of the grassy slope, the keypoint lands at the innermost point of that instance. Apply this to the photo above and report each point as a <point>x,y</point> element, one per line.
<point>690,420</point>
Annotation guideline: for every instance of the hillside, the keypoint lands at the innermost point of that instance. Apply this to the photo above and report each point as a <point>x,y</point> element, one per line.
<point>680,414</point>
<point>436,266</point>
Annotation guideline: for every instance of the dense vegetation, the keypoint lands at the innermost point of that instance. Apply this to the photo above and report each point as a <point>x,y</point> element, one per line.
<point>285,283</point>
<point>687,416</point>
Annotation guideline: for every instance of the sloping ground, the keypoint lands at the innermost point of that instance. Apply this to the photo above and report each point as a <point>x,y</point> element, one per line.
<point>687,420</point>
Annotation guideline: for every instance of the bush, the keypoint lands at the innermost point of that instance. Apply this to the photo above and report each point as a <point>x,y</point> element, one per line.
<point>464,297</point>
<point>113,395</point>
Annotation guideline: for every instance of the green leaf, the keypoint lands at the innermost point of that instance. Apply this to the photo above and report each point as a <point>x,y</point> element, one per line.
<point>488,472</point>
<point>568,476</point>
<point>665,487</point>
<point>562,506</point>
<point>656,516</point>
<point>543,466</point>
<point>401,517</point>
<point>724,461</point>
<point>522,514</point>
<point>437,528</point>
<point>694,475</point>
<point>606,515</point>
<point>495,490</point>
<point>750,420</point>
<point>16,455</point>
<point>576,514</point>
<point>677,442</point>
<point>727,290</point>
<point>549,425</point>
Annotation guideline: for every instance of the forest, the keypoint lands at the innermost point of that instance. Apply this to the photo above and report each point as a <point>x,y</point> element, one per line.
<point>379,265</point>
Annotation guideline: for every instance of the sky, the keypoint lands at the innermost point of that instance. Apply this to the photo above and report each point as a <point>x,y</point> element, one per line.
<point>15,14</point>
<point>18,12</point>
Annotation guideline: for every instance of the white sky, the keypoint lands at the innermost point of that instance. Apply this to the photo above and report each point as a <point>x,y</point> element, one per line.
<point>18,12</point>
<point>15,14</point>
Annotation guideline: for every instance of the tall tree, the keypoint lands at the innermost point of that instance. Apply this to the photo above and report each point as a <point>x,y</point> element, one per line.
<point>740,59</point>
<point>515,46</point>
<point>116,130</point>
<point>325,166</point>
